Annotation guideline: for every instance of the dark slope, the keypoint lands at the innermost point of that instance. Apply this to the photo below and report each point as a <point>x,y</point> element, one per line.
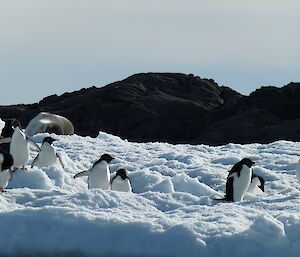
<point>175,108</point>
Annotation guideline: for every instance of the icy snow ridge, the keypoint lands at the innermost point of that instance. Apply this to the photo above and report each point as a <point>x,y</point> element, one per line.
<point>171,212</point>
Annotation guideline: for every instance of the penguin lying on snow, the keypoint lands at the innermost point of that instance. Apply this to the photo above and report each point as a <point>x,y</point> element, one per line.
<point>121,182</point>
<point>256,181</point>
<point>47,155</point>
<point>238,181</point>
<point>19,148</point>
<point>6,162</point>
<point>99,174</point>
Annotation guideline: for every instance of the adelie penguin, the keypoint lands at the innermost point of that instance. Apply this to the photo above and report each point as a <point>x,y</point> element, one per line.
<point>238,181</point>
<point>256,181</point>
<point>99,174</point>
<point>47,155</point>
<point>6,135</point>
<point>19,148</point>
<point>6,162</point>
<point>121,182</point>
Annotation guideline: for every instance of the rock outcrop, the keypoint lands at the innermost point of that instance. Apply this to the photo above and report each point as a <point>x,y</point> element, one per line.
<point>175,108</point>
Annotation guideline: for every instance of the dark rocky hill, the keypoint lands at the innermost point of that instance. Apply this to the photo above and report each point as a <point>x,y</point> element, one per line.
<point>175,108</point>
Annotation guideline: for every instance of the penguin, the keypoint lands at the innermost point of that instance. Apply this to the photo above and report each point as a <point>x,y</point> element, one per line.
<point>47,155</point>
<point>6,163</point>
<point>6,135</point>
<point>298,171</point>
<point>121,182</point>
<point>238,181</point>
<point>99,174</point>
<point>256,181</point>
<point>19,148</point>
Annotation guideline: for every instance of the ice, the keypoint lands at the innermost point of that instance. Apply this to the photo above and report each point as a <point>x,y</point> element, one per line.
<point>171,211</point>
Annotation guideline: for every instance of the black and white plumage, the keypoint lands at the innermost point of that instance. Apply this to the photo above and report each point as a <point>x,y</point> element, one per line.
<point>47,155</point>
<point>238,180</point>
<point>121,181</point>
<point>256,181</point>
<point>6,135</point>
<point>99,174</point>
<point>19,148</point>
<point>6,162</point>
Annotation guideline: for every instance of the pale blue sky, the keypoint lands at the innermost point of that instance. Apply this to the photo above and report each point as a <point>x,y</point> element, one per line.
<point>53,46</point>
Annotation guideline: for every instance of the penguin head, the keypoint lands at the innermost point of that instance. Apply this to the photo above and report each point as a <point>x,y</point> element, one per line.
<point>247,162</point>
<point>49,140</point>
<point>15,124</point>
<point>106,157</point>
<point>122,173</point>
<point>262,183</point>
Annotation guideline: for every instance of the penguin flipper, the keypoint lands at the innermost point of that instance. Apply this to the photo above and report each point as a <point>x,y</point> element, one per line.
<point>83,173</point>
<point>33,143</point>
<point>5,140</point>
<point>229,189</point>
<point>34,161</point>
<point>10,173</point>
<point>60,161</point>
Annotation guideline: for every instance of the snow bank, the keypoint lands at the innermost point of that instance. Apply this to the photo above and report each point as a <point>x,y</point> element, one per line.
<point>171,212</point>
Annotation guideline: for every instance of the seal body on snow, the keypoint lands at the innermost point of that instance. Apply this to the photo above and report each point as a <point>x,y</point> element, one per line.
<point>46,122</point>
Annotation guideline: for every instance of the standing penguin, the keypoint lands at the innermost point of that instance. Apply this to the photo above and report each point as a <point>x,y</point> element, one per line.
<point>256,181</point>
<point>47,155</point>
<point>238,181</point>
<point>19,148</point>
<point>6,135</point>
<point>6,162</point>
<point>99,174</point>
<point>121,181</point>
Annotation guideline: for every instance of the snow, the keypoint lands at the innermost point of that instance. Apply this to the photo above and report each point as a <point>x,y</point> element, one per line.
<point>171,212</point>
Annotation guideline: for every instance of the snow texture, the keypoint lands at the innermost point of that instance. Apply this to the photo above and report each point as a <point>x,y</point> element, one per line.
<point>171,211</point>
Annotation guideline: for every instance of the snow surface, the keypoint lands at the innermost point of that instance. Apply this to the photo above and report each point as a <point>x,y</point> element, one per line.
<point>171,212</point>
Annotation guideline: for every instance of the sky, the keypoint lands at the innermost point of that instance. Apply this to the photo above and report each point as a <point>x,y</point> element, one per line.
<point>55,46</point>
